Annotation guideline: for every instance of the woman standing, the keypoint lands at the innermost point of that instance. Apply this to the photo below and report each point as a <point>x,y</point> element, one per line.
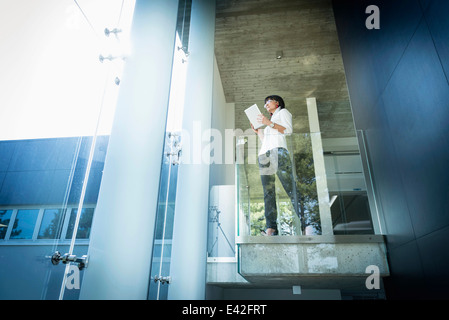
<point>274,159</point>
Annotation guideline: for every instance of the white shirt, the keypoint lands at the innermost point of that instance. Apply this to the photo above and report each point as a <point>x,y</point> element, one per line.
<point>273,138</point>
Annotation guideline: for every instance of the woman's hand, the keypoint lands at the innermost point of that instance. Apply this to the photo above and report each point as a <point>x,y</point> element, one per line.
<point>264,120</point>
<point>259,132</point>
<point>252,127</point>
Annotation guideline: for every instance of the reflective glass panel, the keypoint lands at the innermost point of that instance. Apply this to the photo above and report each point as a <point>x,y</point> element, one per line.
<point>329,183</point>
<point>278,188</point>
<point>160,266</point>
<point>51,225</point>
<point>24,224</point>
<point>346,181</point>
<point>5,218</point>
<point>84,226</point>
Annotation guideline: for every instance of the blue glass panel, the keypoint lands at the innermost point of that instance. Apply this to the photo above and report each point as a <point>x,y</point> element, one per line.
<point>51,224</point>
<point>5,217</point>
<point>84,226</point>
<point>24,224</point>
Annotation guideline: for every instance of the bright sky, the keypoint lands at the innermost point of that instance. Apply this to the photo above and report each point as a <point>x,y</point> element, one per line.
<point>52,82</point>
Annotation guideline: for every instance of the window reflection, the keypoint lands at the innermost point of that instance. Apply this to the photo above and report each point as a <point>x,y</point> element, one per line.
<point>84,226</point>
<point>351,213</point>
<point>24,224</point>
<point>5,217</point>
<point>51,224</point>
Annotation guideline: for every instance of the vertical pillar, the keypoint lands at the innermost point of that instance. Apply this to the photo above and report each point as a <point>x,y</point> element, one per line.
<point>320,170</point>
<point>121,239</point>
<point>188,259</point>
<point>377,216</point>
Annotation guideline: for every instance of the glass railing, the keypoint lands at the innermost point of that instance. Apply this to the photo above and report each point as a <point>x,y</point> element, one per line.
<point>329,195</point>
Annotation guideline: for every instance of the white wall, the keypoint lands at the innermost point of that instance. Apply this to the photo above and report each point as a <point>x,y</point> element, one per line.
<point>222,118</point>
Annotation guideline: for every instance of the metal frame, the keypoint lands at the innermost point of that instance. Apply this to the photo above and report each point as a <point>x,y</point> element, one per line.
<point>34,239</point>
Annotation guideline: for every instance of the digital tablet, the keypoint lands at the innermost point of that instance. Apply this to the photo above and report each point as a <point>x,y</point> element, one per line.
<point>252,113</point>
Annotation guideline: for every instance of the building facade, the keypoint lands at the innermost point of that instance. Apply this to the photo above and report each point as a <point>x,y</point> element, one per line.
<point>168,204</point>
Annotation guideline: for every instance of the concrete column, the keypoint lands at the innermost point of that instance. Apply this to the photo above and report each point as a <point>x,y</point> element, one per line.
<point>188,258</point>
<point>320,169</point>
<point>121,240</point>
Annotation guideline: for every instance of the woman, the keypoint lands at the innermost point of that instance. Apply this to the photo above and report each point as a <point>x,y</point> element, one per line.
<point>274,158</point>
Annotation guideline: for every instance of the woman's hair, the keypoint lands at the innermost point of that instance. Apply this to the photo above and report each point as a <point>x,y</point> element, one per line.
<point>276,98</point>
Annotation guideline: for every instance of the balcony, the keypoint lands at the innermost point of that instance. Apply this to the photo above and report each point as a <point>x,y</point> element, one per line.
<point>340,244</point>
<point>313,262</point>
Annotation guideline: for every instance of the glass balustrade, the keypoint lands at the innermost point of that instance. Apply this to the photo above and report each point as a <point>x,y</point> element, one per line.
<point>330,180</point>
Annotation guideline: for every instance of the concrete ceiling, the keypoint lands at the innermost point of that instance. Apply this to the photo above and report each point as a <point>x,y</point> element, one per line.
<point>248,35</point>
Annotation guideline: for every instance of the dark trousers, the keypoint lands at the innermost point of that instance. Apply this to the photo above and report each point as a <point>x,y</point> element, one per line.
<point>277,162</point>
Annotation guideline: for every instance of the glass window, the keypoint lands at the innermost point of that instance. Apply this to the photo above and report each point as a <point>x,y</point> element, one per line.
<point>5,217</point>
<point>351,213</point>
<point>84,226</point>
<point>24,224</point>
<point>51,224</point>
